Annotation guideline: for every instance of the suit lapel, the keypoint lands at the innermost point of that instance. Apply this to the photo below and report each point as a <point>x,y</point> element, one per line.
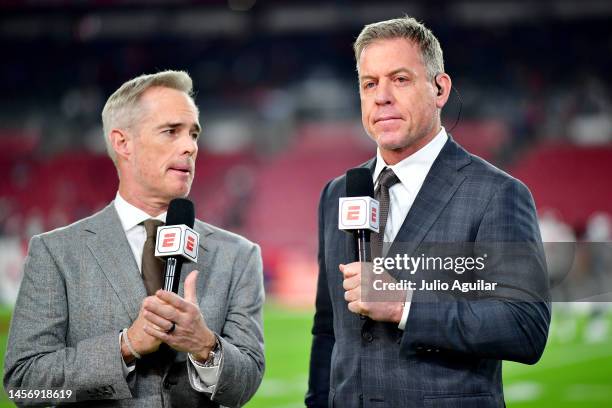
<point>110,248</point>
<point>437,190</point>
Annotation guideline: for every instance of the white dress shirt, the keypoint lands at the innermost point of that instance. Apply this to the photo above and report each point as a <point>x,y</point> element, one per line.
<point>411,172</point>
<point>203,379</point>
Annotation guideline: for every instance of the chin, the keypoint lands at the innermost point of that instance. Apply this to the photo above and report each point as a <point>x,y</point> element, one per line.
<point>180,191</point>
<point>391,144</point>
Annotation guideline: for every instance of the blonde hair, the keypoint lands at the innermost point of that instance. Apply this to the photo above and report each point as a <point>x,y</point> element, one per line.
<point>409,29</point>
<point>122,107</point>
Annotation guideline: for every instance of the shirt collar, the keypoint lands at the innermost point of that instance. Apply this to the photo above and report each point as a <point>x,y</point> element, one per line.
<point>130,216</point>
<point>421,159</point>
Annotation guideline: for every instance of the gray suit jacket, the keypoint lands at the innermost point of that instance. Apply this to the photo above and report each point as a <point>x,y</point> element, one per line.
<point>81,286</point>
<point>450,353</point>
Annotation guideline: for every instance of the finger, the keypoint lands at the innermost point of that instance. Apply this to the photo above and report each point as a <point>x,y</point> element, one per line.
<point>156,332</point>
<point>351,296</point>
<point>354,307</point>
<point>190,287</point>
<point>351,283</point>
<point>158,321</point>
<point>350,269</point>
<point>160,308</point>
<point>173,299</point>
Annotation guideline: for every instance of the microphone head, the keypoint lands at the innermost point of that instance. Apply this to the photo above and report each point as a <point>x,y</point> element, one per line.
<point>359,183</point>
<point>180,211</point>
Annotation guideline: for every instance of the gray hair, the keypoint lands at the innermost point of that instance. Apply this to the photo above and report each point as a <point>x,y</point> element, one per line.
<point>410,29</point>
<point>121,108</point>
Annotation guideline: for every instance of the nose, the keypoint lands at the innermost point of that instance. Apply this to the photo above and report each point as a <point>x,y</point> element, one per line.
<point>189,144</point>
<point>383,95</point>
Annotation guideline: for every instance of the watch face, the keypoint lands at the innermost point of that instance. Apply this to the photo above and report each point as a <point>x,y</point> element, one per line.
<point>211,355</point>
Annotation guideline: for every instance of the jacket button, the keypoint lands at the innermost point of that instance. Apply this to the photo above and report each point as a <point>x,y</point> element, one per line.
<point>367,336</point>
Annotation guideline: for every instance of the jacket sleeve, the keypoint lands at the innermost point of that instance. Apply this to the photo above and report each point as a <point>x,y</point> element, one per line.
<point>38,356</point>
<point>512,323</point>
<point>323,329</point>
<point>242,366</point>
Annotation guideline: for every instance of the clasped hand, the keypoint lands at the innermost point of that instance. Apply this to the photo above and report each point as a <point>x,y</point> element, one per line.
<point>167,318</point>
<point>382,311</point>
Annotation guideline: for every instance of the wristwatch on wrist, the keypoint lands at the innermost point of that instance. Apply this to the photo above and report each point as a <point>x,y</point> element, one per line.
<point>210,361</point>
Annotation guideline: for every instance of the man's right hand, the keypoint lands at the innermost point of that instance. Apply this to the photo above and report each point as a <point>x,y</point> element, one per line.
<point>141,342</point>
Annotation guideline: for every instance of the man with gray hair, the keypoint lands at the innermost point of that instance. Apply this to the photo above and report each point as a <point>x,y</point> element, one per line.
<point>91,322</point>
<point>414,347</point>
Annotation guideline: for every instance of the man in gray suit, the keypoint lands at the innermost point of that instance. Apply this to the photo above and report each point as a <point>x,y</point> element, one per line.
<point>427,348</point>
<point>90,317</point>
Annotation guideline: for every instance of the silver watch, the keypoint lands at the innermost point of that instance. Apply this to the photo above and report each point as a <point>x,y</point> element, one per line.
<point>210,361</point>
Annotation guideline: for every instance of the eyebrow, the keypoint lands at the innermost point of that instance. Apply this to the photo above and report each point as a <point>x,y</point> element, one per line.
<point>394,72</point>
<point>175,125</point>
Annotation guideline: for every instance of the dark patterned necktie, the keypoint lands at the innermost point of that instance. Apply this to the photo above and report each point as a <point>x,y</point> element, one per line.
<point>152,267</point>
<point>386,180</point>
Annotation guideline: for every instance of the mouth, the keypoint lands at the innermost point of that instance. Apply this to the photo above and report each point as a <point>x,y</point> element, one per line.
<point>185,170</point>
<point>386,119</point>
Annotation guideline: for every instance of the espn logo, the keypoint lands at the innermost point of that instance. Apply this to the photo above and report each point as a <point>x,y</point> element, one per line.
<point>190,244</point>
<point>169,240</point>
<point>358,213</point>
<point>353,213</point>
<point>173,240</point>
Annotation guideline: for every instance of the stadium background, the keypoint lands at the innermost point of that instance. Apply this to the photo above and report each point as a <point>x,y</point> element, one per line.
<point>279,104</point>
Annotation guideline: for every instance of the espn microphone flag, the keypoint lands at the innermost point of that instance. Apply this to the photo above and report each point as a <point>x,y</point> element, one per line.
<point>177,241</point>
<point>173,240</point>
<point>358,213</point>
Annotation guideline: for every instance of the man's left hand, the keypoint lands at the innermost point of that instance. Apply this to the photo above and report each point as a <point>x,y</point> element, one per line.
<point>379,311</point>
<point>190,334</point>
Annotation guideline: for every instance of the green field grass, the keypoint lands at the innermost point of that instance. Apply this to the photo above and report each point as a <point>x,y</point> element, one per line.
<point>575,371</point>
<point>572,372</point>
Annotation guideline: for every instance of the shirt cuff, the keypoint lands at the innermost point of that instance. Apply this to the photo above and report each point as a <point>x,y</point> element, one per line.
<point>406,311</point>
<point>205,378</point>
<point>127,369</point>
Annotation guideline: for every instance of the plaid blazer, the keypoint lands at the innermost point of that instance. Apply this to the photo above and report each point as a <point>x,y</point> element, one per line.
<point>450,353</point>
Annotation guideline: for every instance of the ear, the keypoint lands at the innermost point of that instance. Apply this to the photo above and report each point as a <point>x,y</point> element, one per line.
<point>121,142</point>
<point>442,88</point>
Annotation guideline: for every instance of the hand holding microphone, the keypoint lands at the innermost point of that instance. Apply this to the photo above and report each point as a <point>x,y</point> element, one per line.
<point>359,215</point>
<point>167,309</point>
<point>166,317</point>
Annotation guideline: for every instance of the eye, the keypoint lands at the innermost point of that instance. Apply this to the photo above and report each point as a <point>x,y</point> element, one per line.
<point>401,80</point>
<point>170,131</point>
<point>368,85</point>
<point>195,135</point>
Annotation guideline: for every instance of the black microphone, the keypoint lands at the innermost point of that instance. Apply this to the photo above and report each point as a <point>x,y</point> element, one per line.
<point>359,185</point>
<point>180,212</point>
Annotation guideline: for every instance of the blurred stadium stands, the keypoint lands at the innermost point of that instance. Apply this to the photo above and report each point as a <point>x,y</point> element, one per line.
<point>276,87</point>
